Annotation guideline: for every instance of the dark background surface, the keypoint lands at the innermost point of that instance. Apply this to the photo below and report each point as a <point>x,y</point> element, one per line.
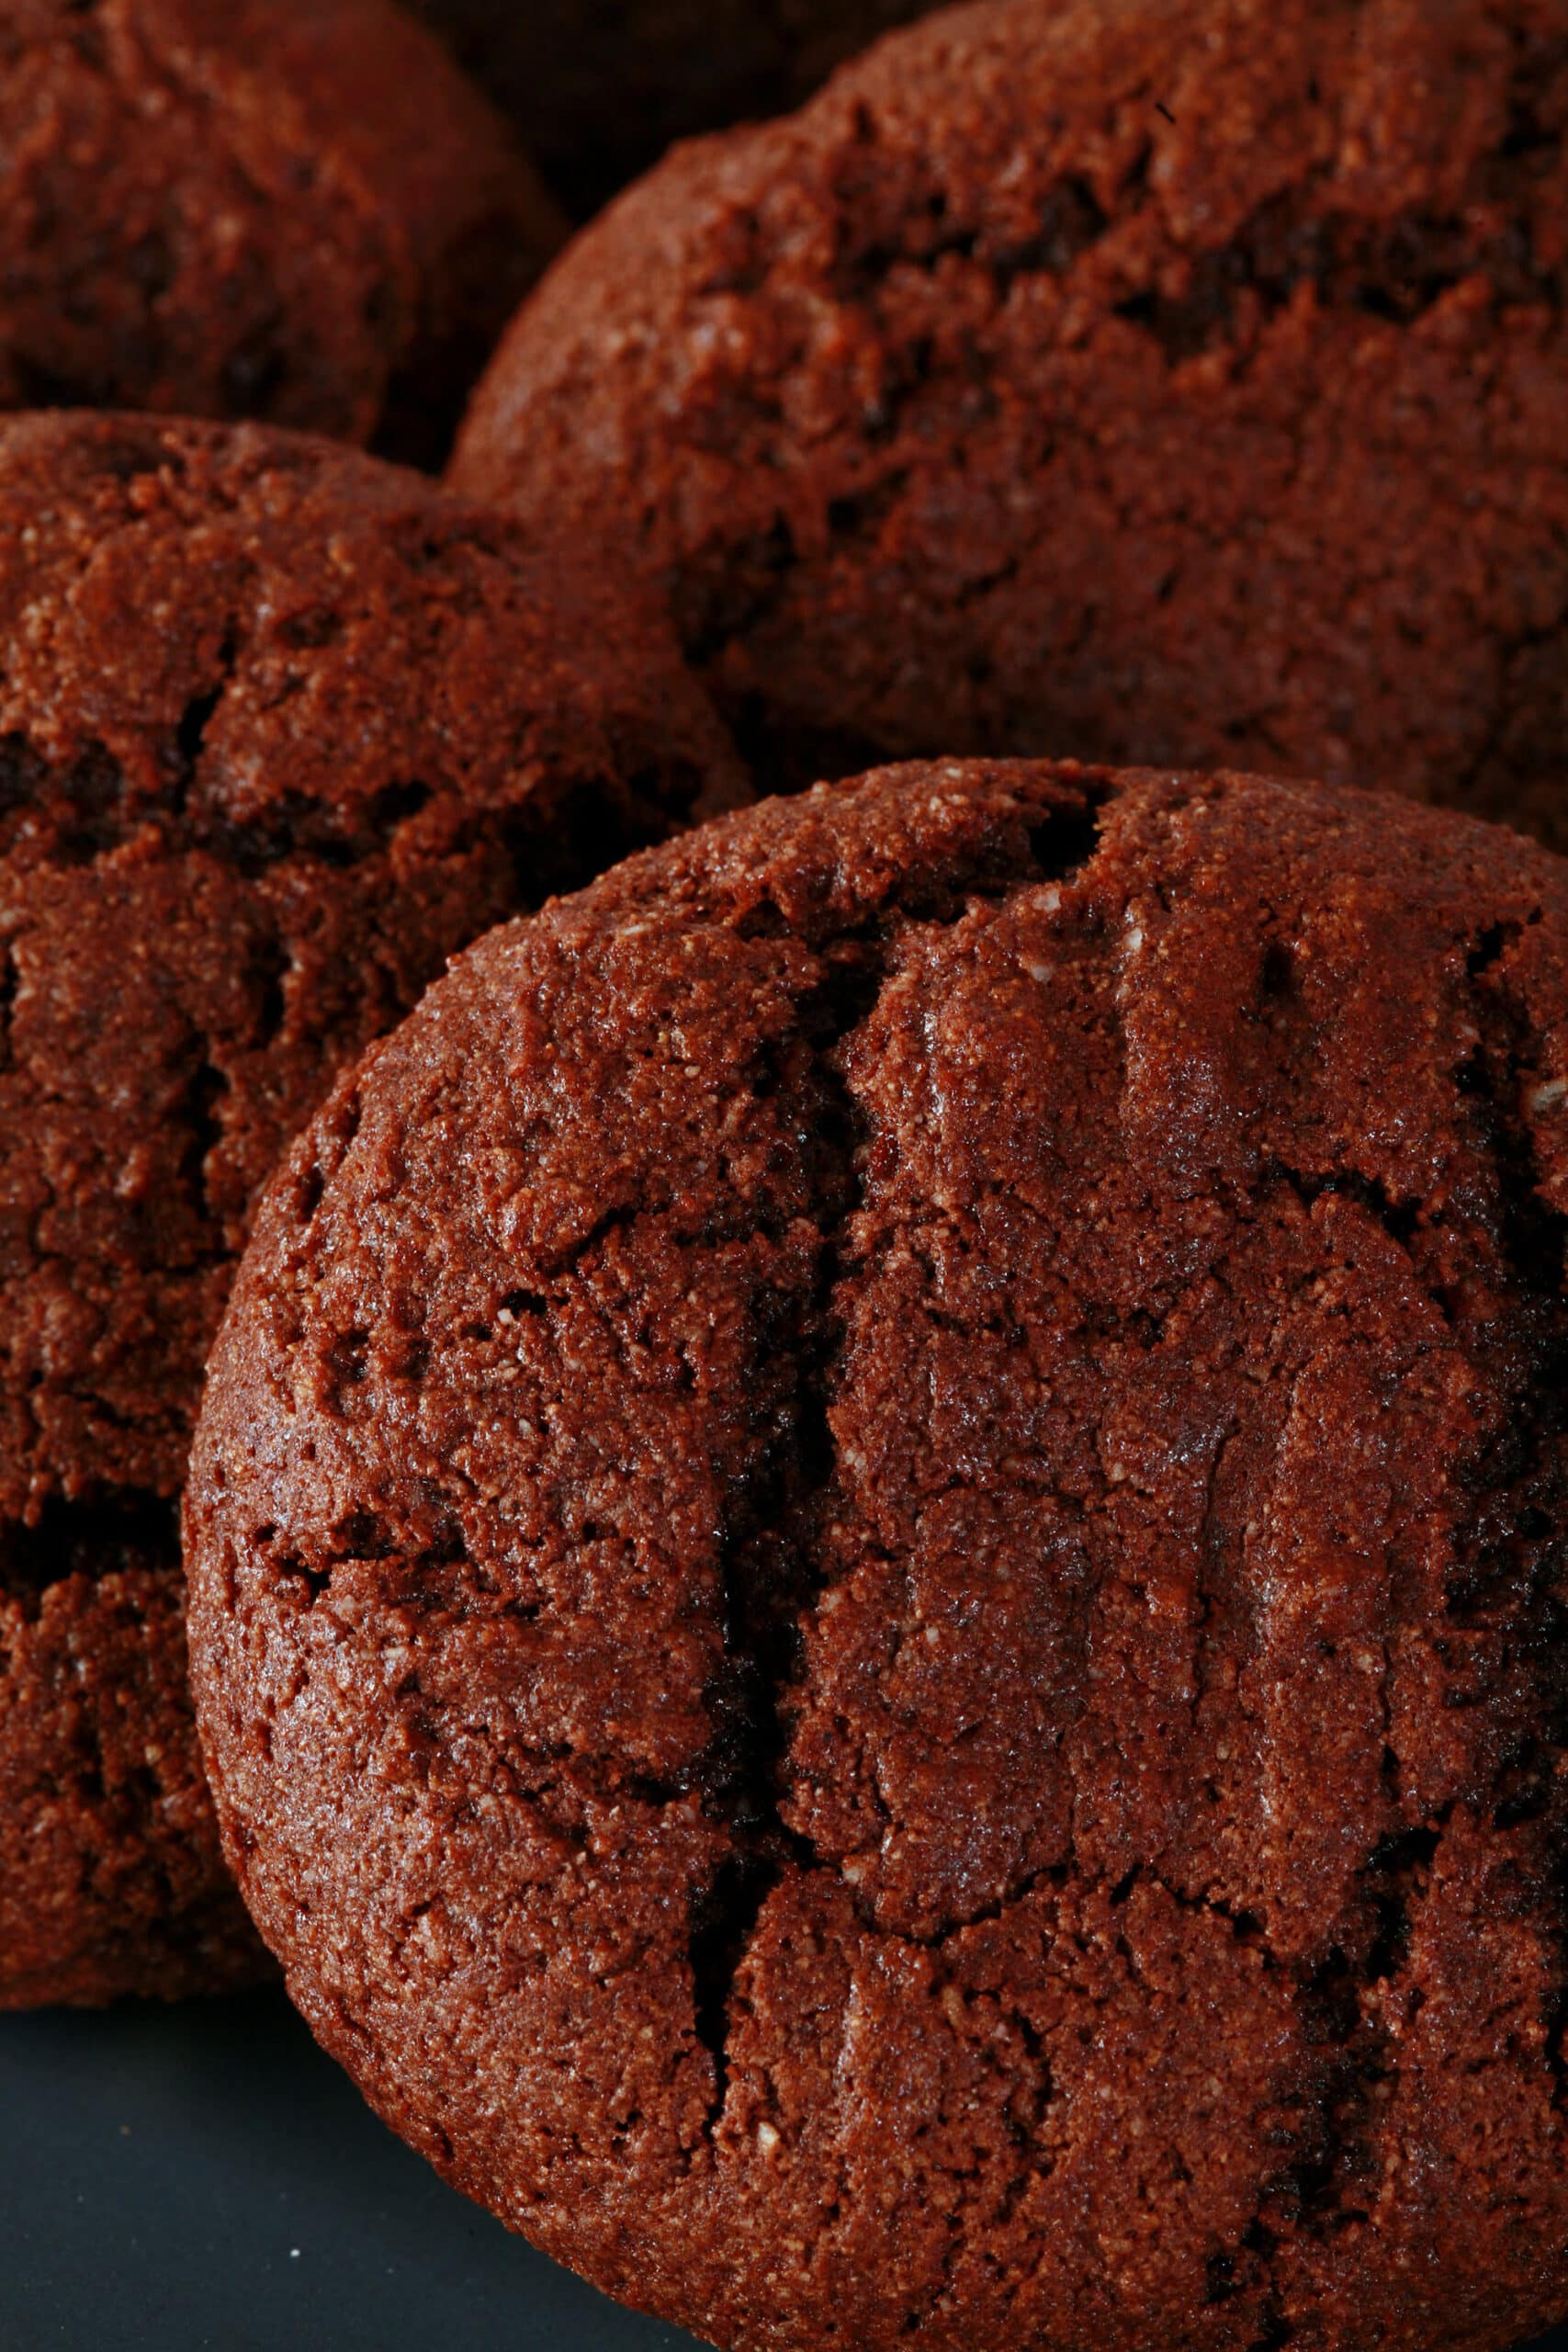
<point>159,2168</point>
<point>202,2179</point>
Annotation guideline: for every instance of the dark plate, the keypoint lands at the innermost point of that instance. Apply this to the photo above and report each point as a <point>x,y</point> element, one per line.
<point>202,2179</point>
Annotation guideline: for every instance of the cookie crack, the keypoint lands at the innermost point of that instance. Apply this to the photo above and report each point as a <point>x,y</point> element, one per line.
<point>9,981</point>
<point>1501,1561</point>
<point>131,1528</point>
<point>1530,1455</point>
<point>767,1567</point>
<point>769,1570</point>
<point>190,734</point>
<point>1509,1565</point>
<point>1397,272</point>
<point>69,813</point>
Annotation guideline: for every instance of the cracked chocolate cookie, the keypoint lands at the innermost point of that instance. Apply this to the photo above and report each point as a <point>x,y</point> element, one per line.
<point>1181,381</point>
<point>599,88</point>
<point>876,1553</point>
<point>292,209</point>
<point>280,728</point>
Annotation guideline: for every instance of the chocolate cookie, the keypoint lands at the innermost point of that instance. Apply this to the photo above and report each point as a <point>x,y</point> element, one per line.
<point>1181,381</point>
<point>599,88</point>
<point>280,728</point>
<point>294,209</point>
<point>876,1561</point>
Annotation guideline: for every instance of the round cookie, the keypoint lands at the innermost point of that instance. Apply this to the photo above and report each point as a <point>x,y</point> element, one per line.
<point>1182,381</point>
<point>599,88</point>
<point>292,209</point>
<point>280,729</point>
<point>876,1570</point>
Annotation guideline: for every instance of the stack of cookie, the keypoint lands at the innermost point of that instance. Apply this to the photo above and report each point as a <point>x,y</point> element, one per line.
<point>875,1542</point>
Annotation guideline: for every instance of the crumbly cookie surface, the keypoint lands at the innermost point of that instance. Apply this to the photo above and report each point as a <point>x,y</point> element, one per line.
<point>280,729</point>
<point>876,1570</point>
<point>292,209</point>
<point>1181,381</point>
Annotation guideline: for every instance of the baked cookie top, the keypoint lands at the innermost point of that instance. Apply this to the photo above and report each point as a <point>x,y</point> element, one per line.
<point>281,728</point>
<point>292,209</point>
<point>1182,381</point>
<point>876,1569</point>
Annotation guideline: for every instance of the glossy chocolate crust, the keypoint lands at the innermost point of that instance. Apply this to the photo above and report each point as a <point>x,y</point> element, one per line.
<point>1179,382</point>
<point>292,209</point>
<point>876,1554</point>
<point>280,729</point>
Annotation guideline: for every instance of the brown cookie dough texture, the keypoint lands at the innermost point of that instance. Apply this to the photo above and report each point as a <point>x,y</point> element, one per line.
<point>294,210</point>
<point>876,1556</point>
<point>1183,381</point>
<point>280,729</point>
<point>599,88</point>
